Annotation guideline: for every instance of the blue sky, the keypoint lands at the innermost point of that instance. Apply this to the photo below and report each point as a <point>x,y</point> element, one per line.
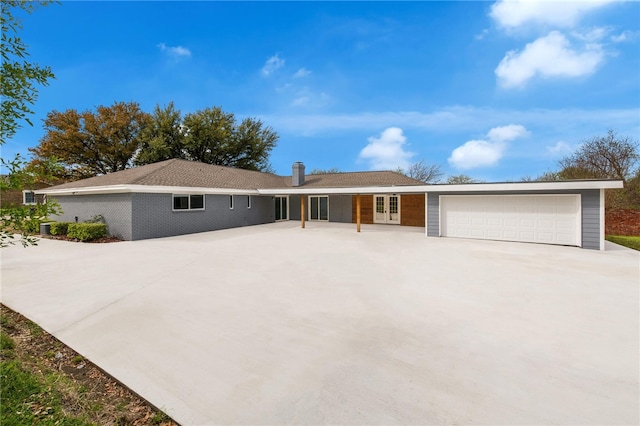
<point>496,91</point>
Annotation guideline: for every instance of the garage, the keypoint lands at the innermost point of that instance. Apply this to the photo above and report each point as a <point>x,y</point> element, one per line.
<point>547,219</point>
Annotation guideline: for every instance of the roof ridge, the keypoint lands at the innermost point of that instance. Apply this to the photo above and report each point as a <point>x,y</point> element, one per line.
<point>224,167</point>
<point>159,166</point>
<point>358,172</point>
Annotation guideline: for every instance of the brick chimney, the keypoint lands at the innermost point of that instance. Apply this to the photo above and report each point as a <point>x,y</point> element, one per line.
<point>298,174</point>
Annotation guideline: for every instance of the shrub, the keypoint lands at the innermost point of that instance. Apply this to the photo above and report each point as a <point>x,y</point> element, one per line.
<point>31,225</point>
<point>59,228</point>
<point>86,231</point>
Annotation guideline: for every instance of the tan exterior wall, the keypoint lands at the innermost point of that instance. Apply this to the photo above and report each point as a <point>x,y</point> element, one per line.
<point>411,209</point>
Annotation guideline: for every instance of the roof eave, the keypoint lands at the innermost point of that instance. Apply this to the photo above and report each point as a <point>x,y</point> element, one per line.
<point>477,187</point>
<point>403,189</point>
<point>147,189</point>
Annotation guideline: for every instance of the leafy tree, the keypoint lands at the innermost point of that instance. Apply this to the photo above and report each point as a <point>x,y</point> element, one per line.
<point>458,179</point>
<point>18,81</point>
<point>163,138</point>
<point>210,136</point>
<point>213,137</point>
<point>427,173</point>
<point>93,143</point>
<point>18,78</point>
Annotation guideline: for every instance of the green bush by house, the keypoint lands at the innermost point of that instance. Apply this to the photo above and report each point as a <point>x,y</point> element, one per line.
<point>31,225</point>
<point>59,228</point>
<point>86,231</point>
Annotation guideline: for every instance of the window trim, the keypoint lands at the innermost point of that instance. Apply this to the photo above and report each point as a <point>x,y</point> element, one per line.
<point>231,202</point>
<point>188,209</point>
<point>24,197</point>
<point>248,201</point>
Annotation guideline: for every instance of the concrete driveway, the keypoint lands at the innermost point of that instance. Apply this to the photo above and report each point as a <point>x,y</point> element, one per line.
<point>274,324</point>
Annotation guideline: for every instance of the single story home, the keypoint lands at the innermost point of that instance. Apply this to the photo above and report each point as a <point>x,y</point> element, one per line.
<point>176,197</point>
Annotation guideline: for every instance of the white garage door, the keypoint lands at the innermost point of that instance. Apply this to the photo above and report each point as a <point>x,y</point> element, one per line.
<point>548,219</point>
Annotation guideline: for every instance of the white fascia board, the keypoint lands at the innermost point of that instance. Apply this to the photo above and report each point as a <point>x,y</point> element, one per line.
<point>529,186</point>
<point>349,190</point>
<point>147,189</point>
<point>476,187</point>
<point>412,189</point>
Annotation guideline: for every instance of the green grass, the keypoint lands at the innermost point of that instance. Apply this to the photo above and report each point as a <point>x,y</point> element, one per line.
<point>29,398</point>
<point>631,242</point>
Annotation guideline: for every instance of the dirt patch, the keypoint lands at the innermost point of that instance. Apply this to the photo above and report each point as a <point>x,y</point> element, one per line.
<point>97,240</point>
<point>90,392</point>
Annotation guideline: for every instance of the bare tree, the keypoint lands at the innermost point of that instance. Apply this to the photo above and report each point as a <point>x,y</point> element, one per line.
<point>324,172</point>
<point>458,179</point>
<point>607,157</point>
<point>427,173</point>
<point>602,157</point>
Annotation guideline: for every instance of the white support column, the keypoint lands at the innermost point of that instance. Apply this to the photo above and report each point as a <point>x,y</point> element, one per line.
<point>426,214</point>
<point>602,213</point>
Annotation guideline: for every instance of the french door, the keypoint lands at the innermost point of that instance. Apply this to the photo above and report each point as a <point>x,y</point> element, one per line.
<point>386,209</point>
<point>282,208</point>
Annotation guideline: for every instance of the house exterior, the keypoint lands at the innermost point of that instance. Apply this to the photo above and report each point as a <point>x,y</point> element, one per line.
<point>20,197</point>
<point>176,197</point>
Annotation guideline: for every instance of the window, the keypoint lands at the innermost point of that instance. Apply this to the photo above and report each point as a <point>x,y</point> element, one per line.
<point>188,202</point>
<point>248,201</point>
<point>28,197</point>
<point>319,208</point>
<point>196,202</point>
<point>230,202</point>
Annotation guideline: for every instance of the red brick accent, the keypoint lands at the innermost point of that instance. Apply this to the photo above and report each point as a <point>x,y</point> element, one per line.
<point>622,222</point>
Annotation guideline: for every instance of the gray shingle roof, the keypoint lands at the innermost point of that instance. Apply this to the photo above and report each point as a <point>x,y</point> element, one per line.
<point>183,173</point>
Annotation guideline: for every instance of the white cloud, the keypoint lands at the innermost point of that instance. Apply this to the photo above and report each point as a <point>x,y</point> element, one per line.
<point>560,148</point>
<point>624,36</point>
<point>308,98</point>
<point>387,152</point>
<point>301,101</point>
<point>482,153</point>
<point>549,56</point>
<point>175,51</point>
<point>302,72</point>
<point>272,64</point>
<point>507,133</point>
<point>482,34</point>
<point>593,35</point>
<point>510,14</point>
<point>456,118</point>
<point>476,153</point>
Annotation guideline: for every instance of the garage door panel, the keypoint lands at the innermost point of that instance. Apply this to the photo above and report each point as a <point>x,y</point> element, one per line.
<point>545,237</point>
<point>526,223</point>
<point>478,221</point>
<point>494,234</point>
<point>565,224</point>
<point>528,218</point>
<point>545,223</point>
